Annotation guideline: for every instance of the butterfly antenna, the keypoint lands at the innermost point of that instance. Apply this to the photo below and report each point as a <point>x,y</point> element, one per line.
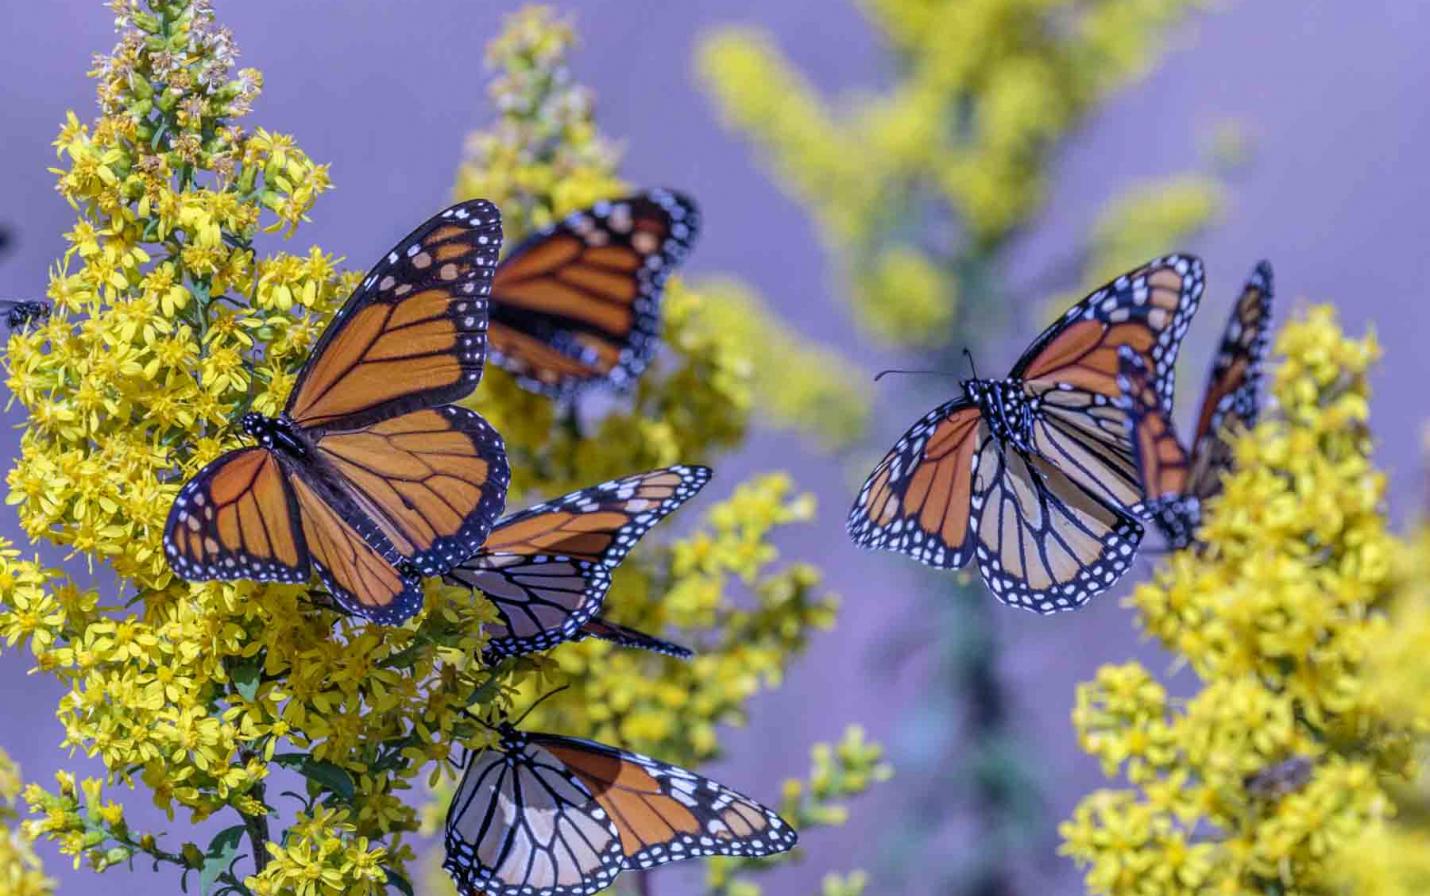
<point>539,700</point>
<point>971,366</point>
<point>883,373</point>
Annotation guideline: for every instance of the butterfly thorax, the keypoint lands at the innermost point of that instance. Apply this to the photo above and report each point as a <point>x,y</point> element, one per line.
<point>1006,408</point>
<point>277,434</point>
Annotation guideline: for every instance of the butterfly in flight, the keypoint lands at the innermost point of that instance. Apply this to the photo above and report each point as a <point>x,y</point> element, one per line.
<point>545,815</point>
<point>547,568</point>
<point>578,303</point>
<point>369,475</point>
<point>21,314</point>
<point>1033,475</point>
<point>1178,482</point>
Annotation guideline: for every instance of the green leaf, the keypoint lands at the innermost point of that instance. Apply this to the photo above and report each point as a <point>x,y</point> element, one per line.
<point>399,882</point>
<point>247,677</point>
<point>222,848</point>
<point>324,774</point>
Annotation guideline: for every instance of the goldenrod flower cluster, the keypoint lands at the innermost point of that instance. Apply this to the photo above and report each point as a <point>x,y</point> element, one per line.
<point>20,870</point>
<point>1261,781</point>
<point>169,324</point>
<point>172,320</point>
<point>918,184</point>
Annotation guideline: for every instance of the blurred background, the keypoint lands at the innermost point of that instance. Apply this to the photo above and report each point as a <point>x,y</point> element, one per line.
<point>1238,131</point>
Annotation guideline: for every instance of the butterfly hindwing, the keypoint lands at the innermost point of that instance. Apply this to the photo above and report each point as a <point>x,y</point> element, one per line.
<point>1045,543</point>
<point>414,333</point>
<point>1157,452</point>
<point>521,824</point>
<point>547,568</point>
<point>362,570</point>
<point>432,480</point>
<point>237,519</point>
<point>579,302</point>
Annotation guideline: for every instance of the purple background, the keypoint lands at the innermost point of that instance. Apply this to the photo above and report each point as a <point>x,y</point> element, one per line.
<point>1332,95</point>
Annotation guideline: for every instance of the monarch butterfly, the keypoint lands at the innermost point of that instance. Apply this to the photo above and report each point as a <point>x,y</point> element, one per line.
<point>547,568</point>
<point>369,475</point>
<point>22,313</point>
<point>1175,482</point>
<point>579,303</point>
<point>1033,475</point>
<point>545,815</point>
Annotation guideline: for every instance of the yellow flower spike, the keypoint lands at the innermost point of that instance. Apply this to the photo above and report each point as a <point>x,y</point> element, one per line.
<point>1278,615</point>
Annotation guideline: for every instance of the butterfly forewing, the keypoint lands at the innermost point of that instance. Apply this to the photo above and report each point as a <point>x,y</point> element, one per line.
<point>237,519</point>
<point>664,813</point>
<point>916,501</point>
<point>547,568</point>
<point>521,824</point>
<point>1148,310</point>
<point>579,303</point>
<point>433,481</point>
<point>414,334</point>
<point>1230,403</point>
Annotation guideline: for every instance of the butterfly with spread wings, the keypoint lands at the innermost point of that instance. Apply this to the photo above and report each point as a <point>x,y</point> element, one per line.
<point>21,314</point>
<point>578,303</point>
<point>545,815</point>
<point>1177,482</point>
<point>547,568</point>
<point>370,475</point>
<point>1033,475</point>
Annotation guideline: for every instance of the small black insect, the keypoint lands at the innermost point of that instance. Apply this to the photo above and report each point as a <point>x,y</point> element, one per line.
<point>22,313</point>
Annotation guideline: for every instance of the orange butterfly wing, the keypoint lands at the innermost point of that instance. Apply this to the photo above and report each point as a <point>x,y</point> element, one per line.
<point>663,812</point>
<point>237,519</point>
<point>547,568</point>
<point>1071,373</point>
<point>918,499</point>
<point>579,302</point>
<point>414,334</point>
<point>1231,389</point>
<point>432,481</point>
<point>360,568</point>
<point>1160,458</point>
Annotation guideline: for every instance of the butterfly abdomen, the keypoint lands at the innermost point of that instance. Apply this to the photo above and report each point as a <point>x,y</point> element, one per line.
<point>1006,407</point>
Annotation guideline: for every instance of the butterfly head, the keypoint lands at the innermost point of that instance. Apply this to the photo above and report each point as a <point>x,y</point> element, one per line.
<point>1006,407</point>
